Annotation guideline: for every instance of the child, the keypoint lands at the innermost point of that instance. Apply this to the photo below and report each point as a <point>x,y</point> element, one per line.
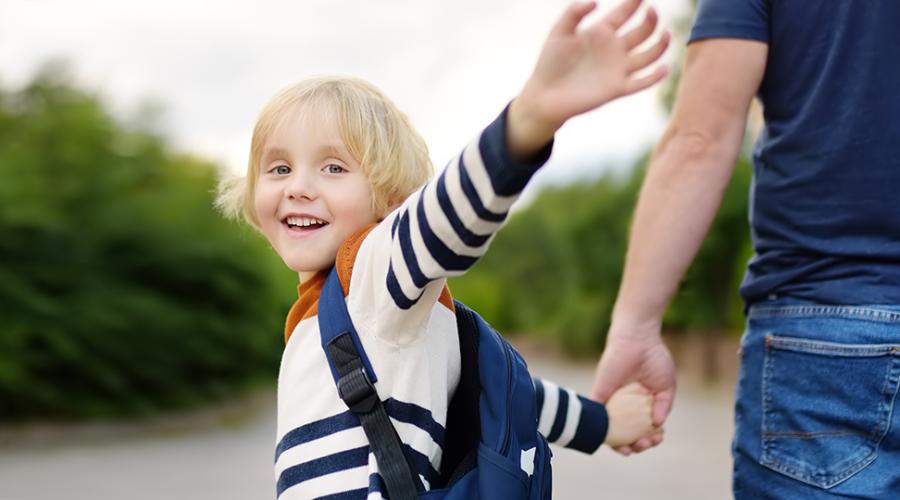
<point>335,178</point>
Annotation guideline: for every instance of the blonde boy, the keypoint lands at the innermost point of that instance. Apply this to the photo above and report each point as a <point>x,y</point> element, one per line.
<point>338,177</point>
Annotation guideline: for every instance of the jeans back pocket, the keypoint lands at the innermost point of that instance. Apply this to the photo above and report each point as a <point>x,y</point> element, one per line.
<point>826,406</point>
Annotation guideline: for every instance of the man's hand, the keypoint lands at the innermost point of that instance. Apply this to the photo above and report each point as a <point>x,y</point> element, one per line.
<point>643,358</point>
<point>580,70</point>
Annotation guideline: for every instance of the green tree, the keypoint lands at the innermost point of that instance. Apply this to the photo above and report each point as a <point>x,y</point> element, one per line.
<point>121,291</point>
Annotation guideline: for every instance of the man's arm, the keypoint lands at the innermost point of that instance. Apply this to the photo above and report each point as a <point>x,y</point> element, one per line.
<point>687,176</point>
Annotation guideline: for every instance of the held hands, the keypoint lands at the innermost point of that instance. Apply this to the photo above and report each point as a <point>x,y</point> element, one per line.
<point>581,69</point>
<point>638,355</point>
<point>629,416</point>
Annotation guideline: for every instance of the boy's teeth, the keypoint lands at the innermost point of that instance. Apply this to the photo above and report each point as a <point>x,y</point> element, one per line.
<point>304,221</point>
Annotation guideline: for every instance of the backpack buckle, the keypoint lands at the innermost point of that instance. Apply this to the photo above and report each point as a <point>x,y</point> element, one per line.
<point>357,391</point>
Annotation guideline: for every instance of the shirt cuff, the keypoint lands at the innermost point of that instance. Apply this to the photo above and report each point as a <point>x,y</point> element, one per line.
<point>508,177</point>
<point>593,425</point>
<point>730,29</point>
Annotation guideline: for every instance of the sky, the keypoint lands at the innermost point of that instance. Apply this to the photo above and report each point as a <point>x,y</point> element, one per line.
<point>211,65</point>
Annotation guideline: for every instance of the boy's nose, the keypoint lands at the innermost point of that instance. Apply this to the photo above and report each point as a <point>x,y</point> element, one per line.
<point>301,186</point>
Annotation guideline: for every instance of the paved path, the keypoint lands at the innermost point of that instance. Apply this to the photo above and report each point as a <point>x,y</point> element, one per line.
<point>227,454</point>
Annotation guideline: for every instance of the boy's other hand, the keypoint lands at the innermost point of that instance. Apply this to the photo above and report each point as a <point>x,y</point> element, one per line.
<point>581,69</point>
<point>629,411</point>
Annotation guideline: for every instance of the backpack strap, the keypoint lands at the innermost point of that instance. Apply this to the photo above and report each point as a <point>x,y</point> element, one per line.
<point>355,380</point>
<point>463,415</point>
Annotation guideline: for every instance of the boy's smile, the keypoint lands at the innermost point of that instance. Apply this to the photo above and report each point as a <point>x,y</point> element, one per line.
<point>311,193</point>
<point>303,222</point>
<point>301,225</point>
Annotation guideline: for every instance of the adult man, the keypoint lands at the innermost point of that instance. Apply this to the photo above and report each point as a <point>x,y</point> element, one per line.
<point>816,414</point>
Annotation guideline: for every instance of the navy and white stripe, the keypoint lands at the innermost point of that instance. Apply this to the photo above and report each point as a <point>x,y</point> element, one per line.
<point>568,419</point>
<point>376,490</point>
<point>443,229</point>
<point>345,459</point>
<point>397,410</point>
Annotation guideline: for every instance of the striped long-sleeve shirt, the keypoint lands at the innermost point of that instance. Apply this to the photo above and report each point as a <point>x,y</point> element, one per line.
<point>393,278</point>
<point>569,419</point>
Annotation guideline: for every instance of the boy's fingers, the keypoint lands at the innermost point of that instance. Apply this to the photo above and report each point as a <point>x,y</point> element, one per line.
<point>638,84</point>
<point>643,31</point>
<point>648,56</point>
<point>624,450</point>
<point>642,444</point>
<point>621,14</point>
<point>571,17</point>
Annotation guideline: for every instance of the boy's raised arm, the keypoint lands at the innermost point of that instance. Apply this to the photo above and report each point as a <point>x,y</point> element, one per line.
<point>442,230</point>
<point>579,70</point>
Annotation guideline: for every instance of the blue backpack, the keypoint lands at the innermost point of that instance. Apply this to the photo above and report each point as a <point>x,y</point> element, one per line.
<point>491,438</point>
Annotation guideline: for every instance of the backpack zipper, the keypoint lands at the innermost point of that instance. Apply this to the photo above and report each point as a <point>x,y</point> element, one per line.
<point>509,382</point>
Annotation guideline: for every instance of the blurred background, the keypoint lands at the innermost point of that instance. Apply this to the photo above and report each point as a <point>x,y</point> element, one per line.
<point>140,333</point>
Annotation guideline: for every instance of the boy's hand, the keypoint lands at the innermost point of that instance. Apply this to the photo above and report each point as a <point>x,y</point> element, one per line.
<point>629,411</point>
<point>579,70</point>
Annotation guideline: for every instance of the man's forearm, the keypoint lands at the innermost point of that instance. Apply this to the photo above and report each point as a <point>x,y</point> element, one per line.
<point>685,181</point>
<point>687,176</point>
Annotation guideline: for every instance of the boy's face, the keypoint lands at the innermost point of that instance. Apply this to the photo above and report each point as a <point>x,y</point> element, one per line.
<point>310,194</point>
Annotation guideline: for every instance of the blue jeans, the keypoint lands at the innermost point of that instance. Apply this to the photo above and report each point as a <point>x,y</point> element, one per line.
<point>817,413</point>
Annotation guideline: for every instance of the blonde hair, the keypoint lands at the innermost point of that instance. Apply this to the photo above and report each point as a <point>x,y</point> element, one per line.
<point>380,137</point>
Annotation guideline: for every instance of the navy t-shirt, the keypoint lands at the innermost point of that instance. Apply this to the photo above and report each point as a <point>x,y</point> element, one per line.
<point>825,200</point>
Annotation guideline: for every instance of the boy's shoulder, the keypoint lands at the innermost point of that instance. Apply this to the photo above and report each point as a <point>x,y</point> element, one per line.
<point>306,305</point>
<point>347,260</point>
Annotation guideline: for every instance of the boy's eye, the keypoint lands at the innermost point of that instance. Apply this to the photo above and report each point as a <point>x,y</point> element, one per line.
<point>334,169</point>
<point>281,170</point>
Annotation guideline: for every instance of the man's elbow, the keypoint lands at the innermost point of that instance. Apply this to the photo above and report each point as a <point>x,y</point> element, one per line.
<point>698,148</point>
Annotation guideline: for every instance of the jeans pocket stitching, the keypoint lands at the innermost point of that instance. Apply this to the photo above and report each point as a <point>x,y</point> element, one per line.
<point>872,313</point>
<point>855,461</point>
<point>795,344</point>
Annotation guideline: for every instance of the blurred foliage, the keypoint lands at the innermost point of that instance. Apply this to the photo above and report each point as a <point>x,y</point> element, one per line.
<point>554,270</point>
<point>121,290</point>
